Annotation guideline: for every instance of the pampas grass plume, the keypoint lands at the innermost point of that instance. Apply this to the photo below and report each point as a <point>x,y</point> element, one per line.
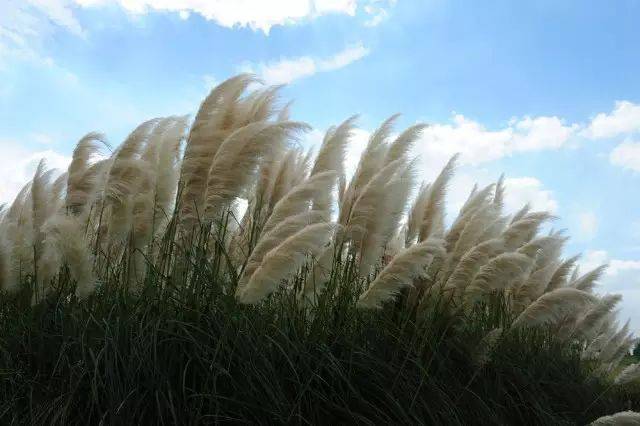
<point>399,273</point>
<point>284,260</point>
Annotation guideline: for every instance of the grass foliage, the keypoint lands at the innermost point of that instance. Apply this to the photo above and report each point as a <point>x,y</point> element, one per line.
<point>180,359</point>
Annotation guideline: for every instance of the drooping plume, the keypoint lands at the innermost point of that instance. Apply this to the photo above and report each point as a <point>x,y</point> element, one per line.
<point>87,147</point>
<point>399,273</point>
<point>371,161</point>
<point>500,273</point>
<point>589,323</point>
<point>300,198</point>
<point>236,162</point>
<point>332,152</point>
<point>400,148</point>
<point>216,119</point>
<point>65,237</point>
<point>284,260</point>
<point>283,230</point>
<point>552,307</point>
<point>624,418</point>
<point>434,207</point>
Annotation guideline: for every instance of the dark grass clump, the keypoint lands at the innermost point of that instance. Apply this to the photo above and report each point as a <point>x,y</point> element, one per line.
<point>169,357</point>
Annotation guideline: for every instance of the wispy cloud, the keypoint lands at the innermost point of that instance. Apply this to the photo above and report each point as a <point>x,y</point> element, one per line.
<point>286,70</point>
<point>523,190</point>
<point>60,12</point>
<point>25,24</point>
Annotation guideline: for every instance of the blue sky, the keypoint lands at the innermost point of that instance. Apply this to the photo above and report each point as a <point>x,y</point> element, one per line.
<point>546,91</point>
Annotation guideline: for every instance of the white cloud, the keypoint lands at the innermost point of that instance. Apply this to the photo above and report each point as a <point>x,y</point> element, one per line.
<point>626,155</point>
<point>256,14</point>
<point>587,225</point>
<point>18,165</point>
<point>624,119</point>
<point>617,266</point>
<point>540,133</point>
<point>523,190</point>
<point>287,70</point>
<point>476,144</point>
<point>343,58</point>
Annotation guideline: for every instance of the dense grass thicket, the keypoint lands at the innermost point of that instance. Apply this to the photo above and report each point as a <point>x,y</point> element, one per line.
<point>135,291</point>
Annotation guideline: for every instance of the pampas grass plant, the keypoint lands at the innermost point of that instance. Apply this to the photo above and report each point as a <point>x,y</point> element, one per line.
<point>133,291</point>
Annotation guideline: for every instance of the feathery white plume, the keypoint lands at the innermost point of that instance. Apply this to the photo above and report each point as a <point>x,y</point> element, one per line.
<point>65,242</point>
<point>551,308</point>
<point>523,230</point>
<point>275,237</point>
<point>237,160</point>
<point>630,374</point>
<point>498,197</point>
<point>86,148</point>
<point>589,323</point>
<point>39,195</point>
<point>284,260</point>
<point>434,206</point>
<point>616,341</point>
<point>333,148</point>
<point>299,198</point>
<point>624,418</point>
<point>399,273</point>
<point>588,281</point>
<point>399,149</point>
<point>476,200</point>
<point>217,118</point>
<point>534,286</point>
<point>500,273</point>
<point>386,223</point>
<point>416,213</point>
<point>472,261</point>
<point>559,278</point>
<point>168,169</point>
<point>371,161</point>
